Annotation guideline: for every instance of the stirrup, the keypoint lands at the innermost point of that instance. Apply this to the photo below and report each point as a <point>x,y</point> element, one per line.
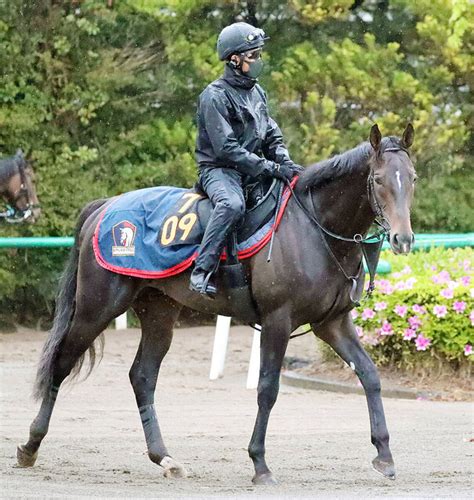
<point>204,289</point>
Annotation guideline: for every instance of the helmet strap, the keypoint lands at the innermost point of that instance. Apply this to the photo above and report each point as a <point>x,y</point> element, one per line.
<point>234,64</point>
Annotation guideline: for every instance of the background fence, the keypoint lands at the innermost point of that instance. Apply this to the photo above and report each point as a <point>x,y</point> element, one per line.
<point>422,241</point>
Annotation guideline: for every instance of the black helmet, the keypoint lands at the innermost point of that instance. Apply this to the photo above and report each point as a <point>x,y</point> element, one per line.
<point>239,37</point>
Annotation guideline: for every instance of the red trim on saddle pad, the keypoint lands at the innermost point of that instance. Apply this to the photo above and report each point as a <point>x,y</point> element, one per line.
<point>185,264</point>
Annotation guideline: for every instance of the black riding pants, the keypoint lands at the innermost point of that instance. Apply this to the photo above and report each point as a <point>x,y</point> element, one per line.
<point>224,188</point>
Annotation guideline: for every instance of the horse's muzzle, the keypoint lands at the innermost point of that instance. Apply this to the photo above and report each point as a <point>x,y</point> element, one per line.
<point>36,213</point>
<point>402,243</point>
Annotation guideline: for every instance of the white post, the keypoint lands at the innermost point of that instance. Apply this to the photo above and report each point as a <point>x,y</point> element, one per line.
<point>254,365</point>
<point>121,321</point>
<point>220,347</point>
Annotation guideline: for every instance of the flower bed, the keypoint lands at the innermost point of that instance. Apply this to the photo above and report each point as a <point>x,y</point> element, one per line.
<point>423,312</point>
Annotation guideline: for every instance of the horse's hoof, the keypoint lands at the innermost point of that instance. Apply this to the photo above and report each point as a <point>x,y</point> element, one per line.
<point>172,468</point>
<point>387,469</point>
<point>24,457</point>
<point>266,479</point>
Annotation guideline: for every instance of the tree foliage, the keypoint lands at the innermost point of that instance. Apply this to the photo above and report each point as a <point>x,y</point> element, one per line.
<point>105,98</point>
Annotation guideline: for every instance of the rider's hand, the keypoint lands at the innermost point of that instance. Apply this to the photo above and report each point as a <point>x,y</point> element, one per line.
<point>297,169</point>
<point>282,172</point>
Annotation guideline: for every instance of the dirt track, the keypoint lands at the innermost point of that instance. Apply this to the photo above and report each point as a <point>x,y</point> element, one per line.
<point>318,443</point>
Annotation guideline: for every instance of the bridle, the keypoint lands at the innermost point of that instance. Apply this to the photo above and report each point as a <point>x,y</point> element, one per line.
<point>13,214</point>
<point>380,218</point>
<point>370,245</point>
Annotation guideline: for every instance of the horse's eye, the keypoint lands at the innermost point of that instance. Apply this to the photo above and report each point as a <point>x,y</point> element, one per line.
<point>415,179</point>
<point>378,180</point>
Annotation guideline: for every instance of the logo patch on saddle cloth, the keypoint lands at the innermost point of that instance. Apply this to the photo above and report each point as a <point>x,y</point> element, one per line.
<point>182,225</point>
<point>124,234</point>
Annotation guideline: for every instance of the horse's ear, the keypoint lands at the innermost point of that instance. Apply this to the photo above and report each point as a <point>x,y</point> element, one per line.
<point>19,153</point>
<point>408,136</point>
<point>375,137</point>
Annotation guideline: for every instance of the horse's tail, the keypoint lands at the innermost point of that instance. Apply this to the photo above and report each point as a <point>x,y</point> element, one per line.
<point>65,306</point>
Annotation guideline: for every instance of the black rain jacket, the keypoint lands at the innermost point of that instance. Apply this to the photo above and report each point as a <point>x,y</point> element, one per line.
<point>235,129</point>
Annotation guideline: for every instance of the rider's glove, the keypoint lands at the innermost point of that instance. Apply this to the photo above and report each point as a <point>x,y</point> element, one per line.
<point>297,169</point>
<point>282,172</point>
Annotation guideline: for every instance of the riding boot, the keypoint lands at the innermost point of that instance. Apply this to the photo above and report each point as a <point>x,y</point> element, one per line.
<point>201,281</point>
<point>224,188</point>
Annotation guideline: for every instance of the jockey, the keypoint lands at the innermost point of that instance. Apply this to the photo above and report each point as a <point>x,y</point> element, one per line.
<point>237,142</point>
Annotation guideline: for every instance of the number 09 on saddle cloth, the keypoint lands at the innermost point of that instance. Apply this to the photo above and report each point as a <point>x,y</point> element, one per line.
<point>156,232</point>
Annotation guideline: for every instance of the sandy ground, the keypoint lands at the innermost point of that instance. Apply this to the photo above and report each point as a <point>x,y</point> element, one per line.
<point>318,443</point>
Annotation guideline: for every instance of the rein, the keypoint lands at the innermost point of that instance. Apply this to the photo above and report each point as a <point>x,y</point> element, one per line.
<point>370,245</point>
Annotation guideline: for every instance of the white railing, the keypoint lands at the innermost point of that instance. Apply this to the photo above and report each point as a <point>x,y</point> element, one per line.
<point>219,352</point>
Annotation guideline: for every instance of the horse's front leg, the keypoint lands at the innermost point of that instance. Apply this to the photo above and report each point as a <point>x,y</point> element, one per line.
<point>342,337</point>
<point>274,339</point>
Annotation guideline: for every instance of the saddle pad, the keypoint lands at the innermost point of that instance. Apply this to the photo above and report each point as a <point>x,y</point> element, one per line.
<point>156,232</point>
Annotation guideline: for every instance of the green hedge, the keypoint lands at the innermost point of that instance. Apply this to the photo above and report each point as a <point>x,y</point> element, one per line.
<point>105,100</point>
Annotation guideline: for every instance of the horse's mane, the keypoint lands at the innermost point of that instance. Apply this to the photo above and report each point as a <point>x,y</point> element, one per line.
<point>341,165</point>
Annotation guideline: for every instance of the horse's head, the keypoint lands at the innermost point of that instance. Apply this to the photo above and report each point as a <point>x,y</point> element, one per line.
<point>20,190</point>
<point>123,236</point>
<point>391,185</point>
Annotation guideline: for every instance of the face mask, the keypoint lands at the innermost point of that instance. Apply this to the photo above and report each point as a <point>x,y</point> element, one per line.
<point>255,68</point>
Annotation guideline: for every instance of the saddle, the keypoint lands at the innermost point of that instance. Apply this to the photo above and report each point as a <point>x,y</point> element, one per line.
<point>261,200</point>
<point>194,209</point>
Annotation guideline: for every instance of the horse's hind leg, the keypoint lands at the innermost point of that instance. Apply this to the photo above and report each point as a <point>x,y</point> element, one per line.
<point>103,301</point>
<point>80,337</point>
<point>342,337</point>
<point>27,454</point>
<point>157,314</point>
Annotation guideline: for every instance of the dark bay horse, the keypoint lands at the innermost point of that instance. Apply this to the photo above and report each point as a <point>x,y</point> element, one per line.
<point>309,280</point>
<point>17,188</point>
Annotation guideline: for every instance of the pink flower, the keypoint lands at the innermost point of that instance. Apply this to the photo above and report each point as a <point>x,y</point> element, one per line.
<point>467,350</point>
<point>405,285</point>
<point>384,286</point>
<point>414,322</point>
<point>367,313</point>
<point>471,317</point>
<point>401,310</point>
<point>406,270</point>
<point>419,309</point>
<point>370,339</point>
<point>467,265</point>
<point>442,277</point>
<point>402,285</point>
<point>452,285</point>
<point>410,282</point>
<point>380,306</point>
<point>440,311</point>
<point>422,343</point>
<point>386,328</point>
<point>465,280</point>
<point>409,334</point>
<point>459,306</point>
<point>360,331</point>
<point>447,293</point>
<point>354,314</point>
